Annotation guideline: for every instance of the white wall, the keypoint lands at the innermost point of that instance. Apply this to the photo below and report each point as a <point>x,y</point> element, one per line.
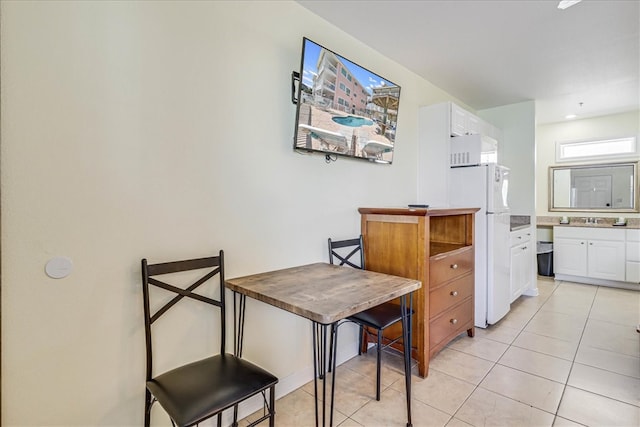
<point>162,130</point>
<point>517,151</point>
<point>605,127</point>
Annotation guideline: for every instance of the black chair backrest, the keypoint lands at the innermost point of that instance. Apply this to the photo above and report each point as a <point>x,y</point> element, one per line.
<point>214,266</point>
<point>356,247</point>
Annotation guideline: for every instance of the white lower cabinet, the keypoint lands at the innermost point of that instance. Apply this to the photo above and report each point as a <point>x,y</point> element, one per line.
<point>633,256</point>
<point>521,276</point>
<point>597,253</point>
<point>605,259</point>
<point>569,256</point>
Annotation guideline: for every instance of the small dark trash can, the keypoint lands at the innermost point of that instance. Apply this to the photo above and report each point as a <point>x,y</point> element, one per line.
<point>545,258</point>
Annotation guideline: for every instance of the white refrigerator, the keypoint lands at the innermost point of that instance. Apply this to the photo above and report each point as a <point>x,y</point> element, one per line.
<point>487,186</point>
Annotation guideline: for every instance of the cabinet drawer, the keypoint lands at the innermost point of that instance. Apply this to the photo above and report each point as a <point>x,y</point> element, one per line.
<point>589,233</point>
<point>450,294</point>
<point>633,272</point>
<point>520,236</point>
<point>451,323</point>
<point>633,251</point>
<point>449,266</point>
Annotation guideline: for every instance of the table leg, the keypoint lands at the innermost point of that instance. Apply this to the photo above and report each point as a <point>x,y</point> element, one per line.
<point>320,349</point>
<point>333,348</point>
<point>239,308</point>
<point>406,337</point>
<point>316,364</point>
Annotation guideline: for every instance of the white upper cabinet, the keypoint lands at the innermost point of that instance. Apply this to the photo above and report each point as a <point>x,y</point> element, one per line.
<point>436,125</point>
<point>466,123</point>
<point>458,121</point>
<point>474,124</point>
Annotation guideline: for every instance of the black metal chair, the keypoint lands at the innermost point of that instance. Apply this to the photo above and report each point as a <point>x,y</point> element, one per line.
<point>379,317</point>
<point>199,390</point>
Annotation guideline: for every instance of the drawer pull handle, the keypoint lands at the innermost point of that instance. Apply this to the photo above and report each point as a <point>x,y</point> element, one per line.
<point>454,293</point>
<point>453,321</point>
<point>454,266</point>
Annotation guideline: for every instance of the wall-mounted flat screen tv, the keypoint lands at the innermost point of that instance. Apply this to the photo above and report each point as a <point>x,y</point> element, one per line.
<point>344,109</point>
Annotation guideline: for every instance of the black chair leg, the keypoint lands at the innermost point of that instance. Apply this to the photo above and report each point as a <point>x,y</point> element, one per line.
<point>361,332</point>
<point>235,416</point>
<point>147,408</point>
<point>379,356</point>
<point>272,406</point>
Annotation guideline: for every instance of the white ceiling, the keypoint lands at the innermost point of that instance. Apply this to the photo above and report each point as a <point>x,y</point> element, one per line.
<point>493,53</point>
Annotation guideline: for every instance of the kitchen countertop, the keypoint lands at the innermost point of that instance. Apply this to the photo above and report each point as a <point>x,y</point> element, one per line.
<point>518,222</point>
<point>578,221</point>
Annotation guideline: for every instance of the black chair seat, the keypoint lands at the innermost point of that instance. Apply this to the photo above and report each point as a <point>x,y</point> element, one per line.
<point>200,389</point>
<point>379,317</point>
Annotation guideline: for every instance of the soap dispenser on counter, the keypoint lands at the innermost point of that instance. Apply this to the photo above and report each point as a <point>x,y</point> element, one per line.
<point>620,221</point>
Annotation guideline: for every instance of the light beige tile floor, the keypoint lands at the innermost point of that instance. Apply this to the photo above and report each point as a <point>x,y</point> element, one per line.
<point>568,357</point>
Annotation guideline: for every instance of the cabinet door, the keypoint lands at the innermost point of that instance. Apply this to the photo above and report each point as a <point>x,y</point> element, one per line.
<point>527,269</point>
<point>570,256</point>
<point>458,121</point>
<point>606,259</point>
<point>473,124</point>
<point>517,255</point>
<point>521,270</point>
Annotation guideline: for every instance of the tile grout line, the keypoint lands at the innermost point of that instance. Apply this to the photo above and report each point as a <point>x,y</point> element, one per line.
<point>573,361</point>
<point>496,362</point>
<point>538,309</point>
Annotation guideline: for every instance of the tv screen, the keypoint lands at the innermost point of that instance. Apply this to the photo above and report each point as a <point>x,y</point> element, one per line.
<point>343,108</point>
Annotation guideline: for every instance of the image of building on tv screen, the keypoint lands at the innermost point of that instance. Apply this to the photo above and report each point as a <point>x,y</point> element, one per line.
<point>344,108</point>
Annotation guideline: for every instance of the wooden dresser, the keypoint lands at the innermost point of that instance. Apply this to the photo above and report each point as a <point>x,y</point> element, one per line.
<point>436,247</point>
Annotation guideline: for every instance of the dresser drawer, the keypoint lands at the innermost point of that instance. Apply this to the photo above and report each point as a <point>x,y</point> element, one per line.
<point>451,323</point>
<point>450,294</point>
<point>449,266</point>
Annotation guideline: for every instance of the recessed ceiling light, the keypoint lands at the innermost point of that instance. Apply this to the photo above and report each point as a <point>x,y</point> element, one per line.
<point>567,3</point>
<point>570,116</point>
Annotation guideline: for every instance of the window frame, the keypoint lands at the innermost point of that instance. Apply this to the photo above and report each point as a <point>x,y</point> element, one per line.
<point>563,146</point>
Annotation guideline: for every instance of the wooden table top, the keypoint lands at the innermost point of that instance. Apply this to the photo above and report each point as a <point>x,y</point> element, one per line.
<point>323,292</point>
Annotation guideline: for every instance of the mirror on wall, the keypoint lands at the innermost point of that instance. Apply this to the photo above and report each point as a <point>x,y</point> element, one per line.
<point>610,187</point>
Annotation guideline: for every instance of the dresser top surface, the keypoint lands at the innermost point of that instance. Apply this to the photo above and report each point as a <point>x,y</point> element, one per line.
<point>419,211</point>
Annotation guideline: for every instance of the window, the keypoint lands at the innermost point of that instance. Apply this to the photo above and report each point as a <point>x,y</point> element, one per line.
<point>348,91</point>
<point>349,77</point>
<point>597,149</point>
<point>343,87</point>
<point>343,71</point>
